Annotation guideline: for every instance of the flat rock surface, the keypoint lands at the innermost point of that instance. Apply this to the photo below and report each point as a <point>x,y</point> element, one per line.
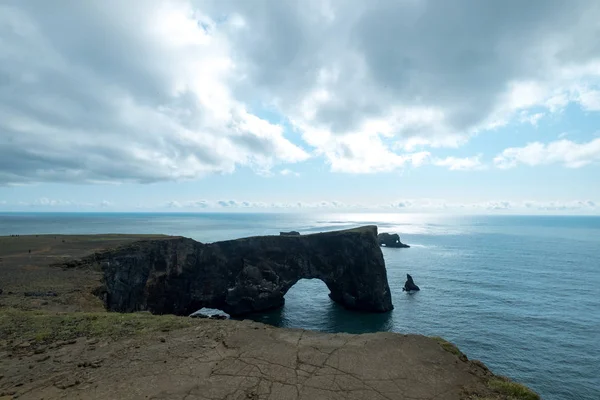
<point>238,360</point>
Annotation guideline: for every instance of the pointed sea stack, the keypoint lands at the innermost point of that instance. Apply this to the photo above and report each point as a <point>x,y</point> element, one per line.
<point>410,286</point>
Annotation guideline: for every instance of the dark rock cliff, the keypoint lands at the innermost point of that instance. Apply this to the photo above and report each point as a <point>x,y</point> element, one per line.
<point>180,275</point>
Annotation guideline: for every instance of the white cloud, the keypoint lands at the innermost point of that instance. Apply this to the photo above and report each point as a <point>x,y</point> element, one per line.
<point>564,135</point>
<point>288,172</point>
<point>561,205</point>
<point>565,152</point>
<point>165,90</point>
<point>388,77</point>
<point>460,164</point>
<point>493,205</point>
<point>410,205</point>
<point>533,119</point>
<point>45,202</point>
<point>136,91</point>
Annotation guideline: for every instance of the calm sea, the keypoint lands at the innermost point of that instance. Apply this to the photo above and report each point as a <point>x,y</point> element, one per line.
<point>521,293</point>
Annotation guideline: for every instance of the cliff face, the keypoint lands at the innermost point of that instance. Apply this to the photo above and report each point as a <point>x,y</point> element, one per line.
<point>180,276</point>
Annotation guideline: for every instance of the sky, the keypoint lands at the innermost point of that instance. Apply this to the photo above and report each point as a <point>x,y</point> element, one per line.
<point>392,105</point>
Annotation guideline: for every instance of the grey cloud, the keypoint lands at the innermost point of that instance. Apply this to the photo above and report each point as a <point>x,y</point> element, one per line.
<point>458,58</point>
<point>122,91</point>
<point>96,92</point>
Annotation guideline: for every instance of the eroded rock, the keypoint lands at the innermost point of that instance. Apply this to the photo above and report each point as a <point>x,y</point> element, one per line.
<point>409,285</point>
<point>180,275</point>
<point>390,240</point>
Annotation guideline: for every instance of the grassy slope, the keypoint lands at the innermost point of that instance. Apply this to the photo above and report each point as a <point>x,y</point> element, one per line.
<point>43,327</point>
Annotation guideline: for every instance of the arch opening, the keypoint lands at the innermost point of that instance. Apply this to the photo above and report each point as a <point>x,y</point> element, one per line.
<point>307,305</point>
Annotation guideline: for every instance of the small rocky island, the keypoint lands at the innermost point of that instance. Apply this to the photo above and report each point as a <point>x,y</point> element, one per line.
<point>390,240</point>
<point>290,233</point>
<point>409,285</point>
<point>179,275</point>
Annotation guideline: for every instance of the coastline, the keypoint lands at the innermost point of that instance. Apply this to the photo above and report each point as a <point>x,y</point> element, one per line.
<point>282,362</point>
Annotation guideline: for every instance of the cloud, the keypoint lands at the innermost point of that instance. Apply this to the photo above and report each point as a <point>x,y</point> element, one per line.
<point>45,202</point>
<point>286,172</point>
<point>492,205</point>
<point>403,205</point>
<point>364,82</point>
<point>496,205</point>
<point>533,119</point>
<point>112,91</point>
<point>460,164</point>
<point>561,205</point>
<point>136,91</point>
<point>565,152</point>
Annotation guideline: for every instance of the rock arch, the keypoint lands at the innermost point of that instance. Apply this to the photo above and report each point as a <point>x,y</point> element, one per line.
<point>180,275</point>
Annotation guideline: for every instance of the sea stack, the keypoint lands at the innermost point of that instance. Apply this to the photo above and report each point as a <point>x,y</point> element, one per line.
<point>390,240</point>
<point>410,286</point>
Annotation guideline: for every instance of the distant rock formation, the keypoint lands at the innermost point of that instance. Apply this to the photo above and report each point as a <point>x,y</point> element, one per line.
<point>290,233</point>
<point>180,275</point>
<point>390,240</point>
<point>410,286</point>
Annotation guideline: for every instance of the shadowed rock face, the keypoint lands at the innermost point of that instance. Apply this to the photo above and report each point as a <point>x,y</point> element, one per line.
<point>180,275</point>
<point>390,240</point>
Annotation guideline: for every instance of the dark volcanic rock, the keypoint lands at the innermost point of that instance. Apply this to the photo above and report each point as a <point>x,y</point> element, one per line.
<point>180,275</point>
<point>390,240</point>
<point>290,233</point>
<point>410,286</point>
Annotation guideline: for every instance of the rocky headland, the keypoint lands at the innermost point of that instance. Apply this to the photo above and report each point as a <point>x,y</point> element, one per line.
<point>179,276</point>
<point>61,343</point>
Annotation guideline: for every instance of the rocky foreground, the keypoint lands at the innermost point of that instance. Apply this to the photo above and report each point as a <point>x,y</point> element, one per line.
<point>86,353</point>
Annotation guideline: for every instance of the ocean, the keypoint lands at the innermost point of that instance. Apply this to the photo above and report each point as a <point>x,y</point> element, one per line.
<point>520,293</point>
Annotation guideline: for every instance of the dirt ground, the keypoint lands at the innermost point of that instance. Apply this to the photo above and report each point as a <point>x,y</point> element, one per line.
<point>25,266</point>
<point>60,344</point>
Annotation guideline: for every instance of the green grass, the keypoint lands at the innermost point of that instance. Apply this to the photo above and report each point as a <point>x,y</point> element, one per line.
<point>512,389</point>
<point>42,327</point>
<point>449,347</point>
